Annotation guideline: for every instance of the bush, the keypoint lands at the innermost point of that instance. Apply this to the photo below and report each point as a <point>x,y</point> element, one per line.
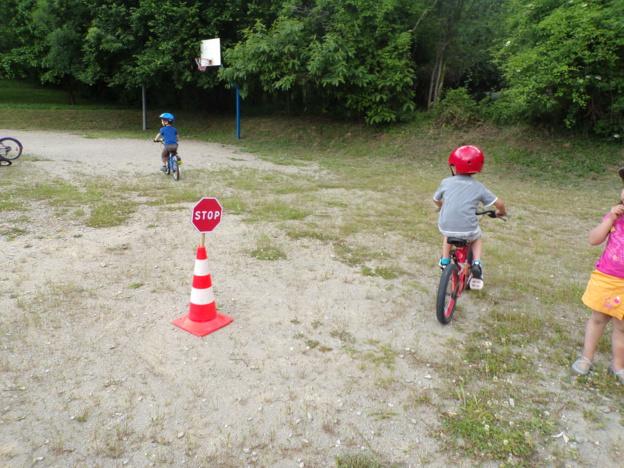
<point>457,110</point>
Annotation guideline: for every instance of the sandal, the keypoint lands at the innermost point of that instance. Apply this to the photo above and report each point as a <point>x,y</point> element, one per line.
<point>619,374</point>
<point>579,369</point>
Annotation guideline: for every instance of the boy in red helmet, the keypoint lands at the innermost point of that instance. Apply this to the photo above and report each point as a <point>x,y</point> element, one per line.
<point>457,199</point>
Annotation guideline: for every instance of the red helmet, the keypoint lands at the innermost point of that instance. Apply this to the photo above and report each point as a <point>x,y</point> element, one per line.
<point>467,160</point>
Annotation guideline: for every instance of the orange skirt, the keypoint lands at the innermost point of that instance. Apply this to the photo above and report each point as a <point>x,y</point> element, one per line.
<point>605,294</point>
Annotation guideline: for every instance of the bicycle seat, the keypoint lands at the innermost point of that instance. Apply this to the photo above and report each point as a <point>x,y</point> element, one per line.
<point>457,242</point>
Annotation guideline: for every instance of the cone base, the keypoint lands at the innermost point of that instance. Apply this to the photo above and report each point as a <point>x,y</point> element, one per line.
<point>202,328</point>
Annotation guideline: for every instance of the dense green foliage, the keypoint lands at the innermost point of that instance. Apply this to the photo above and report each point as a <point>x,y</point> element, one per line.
<point>333,54</point>
<point>551,62</point>
<point>563,62</point>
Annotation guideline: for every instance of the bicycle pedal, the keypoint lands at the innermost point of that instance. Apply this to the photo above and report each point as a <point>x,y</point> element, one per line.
<point>476,284</point>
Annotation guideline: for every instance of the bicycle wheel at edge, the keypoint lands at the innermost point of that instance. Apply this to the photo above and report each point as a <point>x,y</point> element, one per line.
<point>447,294</point>
<point>175,169</point>
<point>13,148</point>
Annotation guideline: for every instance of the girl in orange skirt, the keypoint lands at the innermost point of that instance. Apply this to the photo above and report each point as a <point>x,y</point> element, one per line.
<point>605,294</point>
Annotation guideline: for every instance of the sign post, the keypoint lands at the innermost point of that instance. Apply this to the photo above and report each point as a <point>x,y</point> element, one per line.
<point>203,317</point>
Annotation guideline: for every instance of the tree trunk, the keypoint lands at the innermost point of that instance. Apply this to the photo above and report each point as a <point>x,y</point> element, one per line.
<point>436,83</point>
<point>70,90</point>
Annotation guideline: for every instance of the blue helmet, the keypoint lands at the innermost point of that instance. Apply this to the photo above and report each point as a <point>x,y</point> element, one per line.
<point>167,116</point>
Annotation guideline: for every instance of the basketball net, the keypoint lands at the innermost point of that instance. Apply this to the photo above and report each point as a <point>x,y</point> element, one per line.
<point>203,63</point>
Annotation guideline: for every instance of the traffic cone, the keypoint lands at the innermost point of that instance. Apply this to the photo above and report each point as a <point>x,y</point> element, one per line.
<point>203,317</point>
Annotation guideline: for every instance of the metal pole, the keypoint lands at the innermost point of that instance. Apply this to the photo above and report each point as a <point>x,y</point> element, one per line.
<point>144,96</point>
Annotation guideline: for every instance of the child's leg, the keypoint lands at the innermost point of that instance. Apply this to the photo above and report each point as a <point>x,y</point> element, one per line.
<point>446,248</point>
<point>477,268</point>
<point>593,331</point>
<point>617,344</point>
<point>477,249</point>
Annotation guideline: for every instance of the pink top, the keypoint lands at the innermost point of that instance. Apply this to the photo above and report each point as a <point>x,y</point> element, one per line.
<point>612,261</point>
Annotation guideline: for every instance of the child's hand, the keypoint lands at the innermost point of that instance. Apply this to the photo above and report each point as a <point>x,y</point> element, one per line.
<point>617,211</point>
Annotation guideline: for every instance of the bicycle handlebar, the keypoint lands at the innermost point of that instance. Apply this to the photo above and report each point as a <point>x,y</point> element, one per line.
<point>491,214</point>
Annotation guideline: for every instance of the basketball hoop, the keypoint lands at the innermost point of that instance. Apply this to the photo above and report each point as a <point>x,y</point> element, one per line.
<point>203,63</point>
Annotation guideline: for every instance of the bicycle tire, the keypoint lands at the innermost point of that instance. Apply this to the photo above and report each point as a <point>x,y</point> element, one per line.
<point>447,294</point>
<point>175,169</point>
<point>12,148</point>
<point>168,168</point>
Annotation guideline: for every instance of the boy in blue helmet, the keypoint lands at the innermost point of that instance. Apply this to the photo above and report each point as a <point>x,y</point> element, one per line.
<point>169,135</point>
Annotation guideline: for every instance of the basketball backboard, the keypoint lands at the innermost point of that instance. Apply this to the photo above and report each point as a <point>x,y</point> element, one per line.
<point>210,54</point>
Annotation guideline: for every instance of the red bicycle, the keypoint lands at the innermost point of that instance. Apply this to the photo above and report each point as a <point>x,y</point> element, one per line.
<point>457,274</point>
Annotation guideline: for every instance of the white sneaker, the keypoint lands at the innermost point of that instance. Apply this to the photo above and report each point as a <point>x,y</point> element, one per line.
<point>476,283</point>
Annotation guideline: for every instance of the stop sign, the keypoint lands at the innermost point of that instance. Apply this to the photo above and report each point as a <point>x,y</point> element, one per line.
<point>206,214</point>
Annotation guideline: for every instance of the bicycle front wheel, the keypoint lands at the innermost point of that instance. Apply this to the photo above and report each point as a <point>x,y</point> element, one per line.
<point>448,291</point>
<point>10,148</point>
<point>175,169</point>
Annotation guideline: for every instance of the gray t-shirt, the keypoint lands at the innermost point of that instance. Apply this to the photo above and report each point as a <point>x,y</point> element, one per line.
<point>461,195</point>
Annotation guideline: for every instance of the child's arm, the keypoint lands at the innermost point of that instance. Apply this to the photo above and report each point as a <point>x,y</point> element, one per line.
<point>500,208</point>
<point>157,137</point>
<point>600,232</point>
<point>438,204</point>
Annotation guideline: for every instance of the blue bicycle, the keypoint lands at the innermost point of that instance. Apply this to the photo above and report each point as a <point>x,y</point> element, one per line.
<point>173,165</point>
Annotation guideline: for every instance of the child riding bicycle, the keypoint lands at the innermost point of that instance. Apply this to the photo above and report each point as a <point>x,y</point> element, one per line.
<point>169,135</point>
<point>457,199</point>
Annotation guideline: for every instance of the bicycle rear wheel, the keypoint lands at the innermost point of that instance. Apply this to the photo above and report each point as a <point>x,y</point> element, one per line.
<point>448,292</point>
<point>10,148</point>
<point>175,169</point>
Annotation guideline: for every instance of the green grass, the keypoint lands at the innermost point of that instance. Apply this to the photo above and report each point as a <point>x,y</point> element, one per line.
<point>369,198</point>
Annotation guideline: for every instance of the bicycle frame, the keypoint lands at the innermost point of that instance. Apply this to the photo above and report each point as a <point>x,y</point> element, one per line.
<point>172,164</point>
<point>459,256</point>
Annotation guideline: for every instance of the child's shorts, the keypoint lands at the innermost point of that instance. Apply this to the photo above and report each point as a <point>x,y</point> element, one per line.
<point>604,294</point>
<point>470,237</point>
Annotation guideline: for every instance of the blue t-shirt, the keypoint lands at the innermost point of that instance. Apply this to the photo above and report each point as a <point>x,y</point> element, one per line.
<point>461,194</point>
<point>170,135</point>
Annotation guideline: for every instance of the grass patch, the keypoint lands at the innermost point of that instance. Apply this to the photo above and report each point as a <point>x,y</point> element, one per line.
<point>111,214</point>
<point>266,251</point>
<point>12,232</point>
<point>384,272</point>
<point>361,461</point>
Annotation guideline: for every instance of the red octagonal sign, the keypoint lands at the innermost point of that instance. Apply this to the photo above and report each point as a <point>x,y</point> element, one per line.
<point>206,214</point>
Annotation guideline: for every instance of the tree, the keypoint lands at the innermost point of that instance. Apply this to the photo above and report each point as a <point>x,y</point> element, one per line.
<point>563,63</point>
<point>453,38</point>
<point>348,57</point>
<point>19,51</point>
<point>61,24</point>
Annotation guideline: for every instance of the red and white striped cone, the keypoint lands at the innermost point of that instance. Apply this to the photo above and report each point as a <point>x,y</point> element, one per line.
<point>203,317</point>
